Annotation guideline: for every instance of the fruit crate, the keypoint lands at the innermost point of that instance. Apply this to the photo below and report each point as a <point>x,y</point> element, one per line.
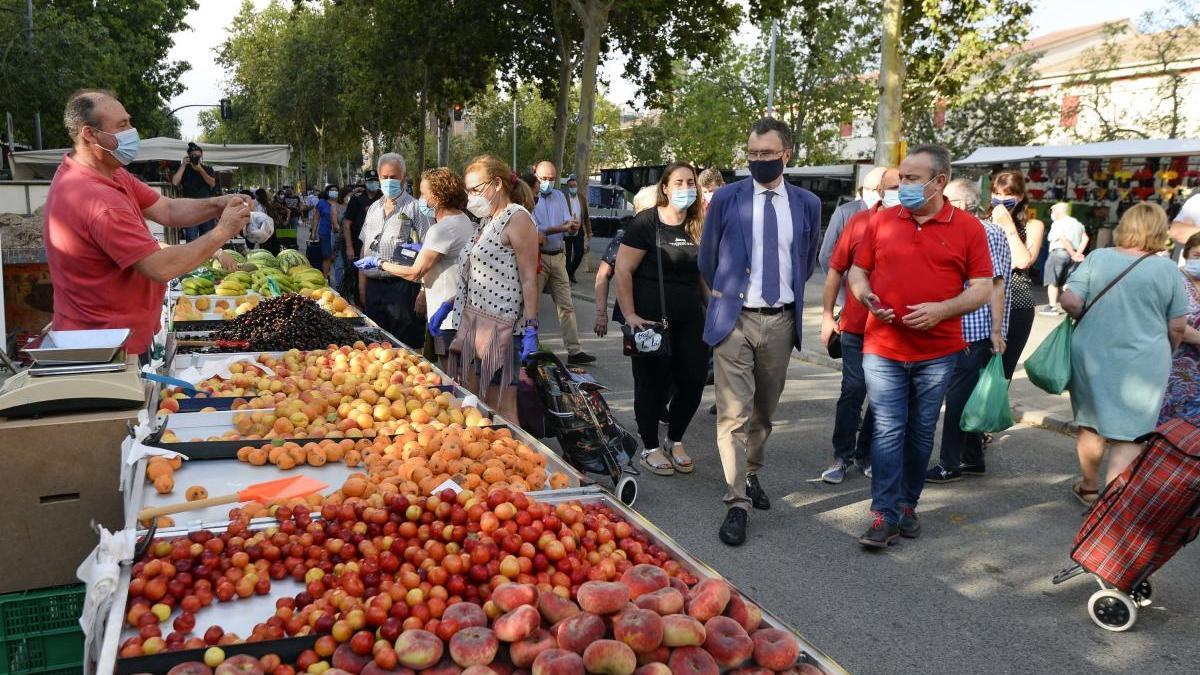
<point>40,632</point>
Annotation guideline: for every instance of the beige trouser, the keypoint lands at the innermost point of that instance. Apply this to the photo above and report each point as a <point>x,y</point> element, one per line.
<point>750,368</point>
<point>554,273</point>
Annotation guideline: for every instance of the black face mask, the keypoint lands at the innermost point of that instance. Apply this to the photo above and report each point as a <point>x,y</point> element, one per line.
<point>767,170</point>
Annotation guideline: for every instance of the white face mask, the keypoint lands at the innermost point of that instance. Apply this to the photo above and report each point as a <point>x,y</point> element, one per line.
<point>871,198</point>
<point>479,206</point>
<point>890,198</point>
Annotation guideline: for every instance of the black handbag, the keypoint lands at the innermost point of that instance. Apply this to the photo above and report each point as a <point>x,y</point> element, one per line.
<point>654,340</point>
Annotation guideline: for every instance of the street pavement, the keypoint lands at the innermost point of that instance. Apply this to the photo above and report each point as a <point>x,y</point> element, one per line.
<point>971,595</point>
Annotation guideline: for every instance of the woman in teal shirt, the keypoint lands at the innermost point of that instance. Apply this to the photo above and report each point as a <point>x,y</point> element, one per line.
<point>1121,351</point>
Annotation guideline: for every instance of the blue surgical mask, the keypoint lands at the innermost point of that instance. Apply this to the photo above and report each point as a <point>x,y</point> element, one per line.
<point>373,185</point>
<point>912,197</point>
<point>391,187</point>
<point>128,143</point>
<point>573,191</point>
<point>333,194</point>
<point>546,187</point>
<point>682,199</point>
<point>1192,268</point>
<point>424,207</point>
<point>1008,202</point>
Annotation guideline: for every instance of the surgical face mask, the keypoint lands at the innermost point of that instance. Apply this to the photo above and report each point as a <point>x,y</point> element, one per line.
<point>1192,268</point>
<point>871,198</point>
<point>573,191</point>
<point>706,196</point>
<point>479,206</point>
<point>890,198</point>
<point>333,194</point>
<point>767,170</point>
<point>683,198</point>
<point>913,196</point>
<point>391,187</point>
<point>546,186</point>
<point>373,185</point>
<point>128,143</point>
<point>425,209</point>
<point>1009,203</point>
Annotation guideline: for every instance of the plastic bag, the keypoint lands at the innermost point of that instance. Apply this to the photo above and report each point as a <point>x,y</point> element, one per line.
<point>260,228</point>
<point>987,410</point>
<point>1049,367</point>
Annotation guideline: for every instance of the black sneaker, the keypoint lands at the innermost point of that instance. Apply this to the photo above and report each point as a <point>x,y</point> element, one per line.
<point>881,534</point>
<point>910,525</point>
<point>755,492</point>
<point>973,469</point>
<point>580,358</point>
<point>733,530</point>
<point>937,474</point>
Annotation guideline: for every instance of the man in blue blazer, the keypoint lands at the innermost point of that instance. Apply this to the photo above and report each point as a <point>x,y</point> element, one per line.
<point>758,249</point>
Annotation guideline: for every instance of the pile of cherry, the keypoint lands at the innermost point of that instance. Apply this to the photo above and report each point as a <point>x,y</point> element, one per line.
<point>452,584</point>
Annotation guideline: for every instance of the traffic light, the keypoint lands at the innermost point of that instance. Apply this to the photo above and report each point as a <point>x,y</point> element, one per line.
<point>226,109</point>
<point>458,107</point>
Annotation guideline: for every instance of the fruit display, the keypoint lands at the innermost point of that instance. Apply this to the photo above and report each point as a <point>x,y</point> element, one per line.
<point>287,322</point>
<point>187,309</point>
<point>197,285</point>
<point>290,258</point>
<point>453,581</point>
<point>330,301</point>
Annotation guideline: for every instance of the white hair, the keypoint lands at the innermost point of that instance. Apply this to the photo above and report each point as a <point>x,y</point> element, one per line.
<point>1060,209</point>
<point>393,158</point>
<point>646,198</point>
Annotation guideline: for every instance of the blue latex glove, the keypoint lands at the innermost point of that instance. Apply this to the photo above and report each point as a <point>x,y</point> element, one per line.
<point>415,248</point>
<point>435,321</point>
<point>529,342</point>
<point>368,263</point>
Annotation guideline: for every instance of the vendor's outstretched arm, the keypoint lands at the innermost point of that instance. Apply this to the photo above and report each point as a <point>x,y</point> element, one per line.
<point>167,263</point>
<point>170,212</point>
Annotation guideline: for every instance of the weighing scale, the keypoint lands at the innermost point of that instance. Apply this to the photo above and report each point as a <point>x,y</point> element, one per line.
<point>74,371</point>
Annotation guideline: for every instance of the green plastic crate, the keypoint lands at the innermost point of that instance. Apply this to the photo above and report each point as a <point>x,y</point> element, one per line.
<point>39,631</point>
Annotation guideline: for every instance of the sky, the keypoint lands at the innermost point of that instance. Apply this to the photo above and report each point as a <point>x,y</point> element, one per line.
<point>204,82</point>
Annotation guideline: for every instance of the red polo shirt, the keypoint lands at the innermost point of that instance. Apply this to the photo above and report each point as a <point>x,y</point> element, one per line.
<point>854,314</point>
<point>95,233</point>
<point>910,264</point>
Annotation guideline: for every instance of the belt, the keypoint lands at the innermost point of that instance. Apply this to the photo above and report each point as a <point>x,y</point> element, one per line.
<point>769,311</point>
<point>552,252</point>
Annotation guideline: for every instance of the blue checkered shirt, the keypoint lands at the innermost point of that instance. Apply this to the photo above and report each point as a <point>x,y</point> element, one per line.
<point>978,324</point>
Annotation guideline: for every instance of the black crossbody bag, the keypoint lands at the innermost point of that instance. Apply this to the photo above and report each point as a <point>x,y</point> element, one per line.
<point>654,338</point>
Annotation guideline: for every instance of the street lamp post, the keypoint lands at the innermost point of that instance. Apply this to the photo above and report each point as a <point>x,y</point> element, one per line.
<point>771,76</point>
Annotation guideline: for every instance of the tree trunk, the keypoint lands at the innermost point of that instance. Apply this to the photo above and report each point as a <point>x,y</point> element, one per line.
<point>562,108</point>
<point>891,84</point>
<point>424,126</point>
<point>593,14</point>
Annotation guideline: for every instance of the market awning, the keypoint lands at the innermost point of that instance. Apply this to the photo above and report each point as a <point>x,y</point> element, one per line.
<point>27,165</point>
<point>1152,147</point>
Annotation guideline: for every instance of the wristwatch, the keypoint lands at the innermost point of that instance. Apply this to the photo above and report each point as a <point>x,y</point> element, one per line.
<point>530,323</point>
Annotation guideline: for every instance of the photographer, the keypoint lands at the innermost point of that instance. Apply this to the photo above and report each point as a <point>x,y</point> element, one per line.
<point>195,181</point>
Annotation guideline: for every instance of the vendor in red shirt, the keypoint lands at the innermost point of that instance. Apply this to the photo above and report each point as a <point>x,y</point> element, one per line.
<point>107,269</point>
<point>910,271</point>
<point>851,428</point>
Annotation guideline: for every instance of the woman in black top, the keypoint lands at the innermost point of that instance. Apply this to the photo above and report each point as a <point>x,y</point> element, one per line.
<point>1010,210</point>
<point>672,231</point>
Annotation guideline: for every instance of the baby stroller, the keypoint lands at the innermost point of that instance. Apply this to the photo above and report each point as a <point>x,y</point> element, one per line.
<point>579,417</point>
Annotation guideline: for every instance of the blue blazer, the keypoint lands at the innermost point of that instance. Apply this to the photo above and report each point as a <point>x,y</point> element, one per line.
<point>726,245</point>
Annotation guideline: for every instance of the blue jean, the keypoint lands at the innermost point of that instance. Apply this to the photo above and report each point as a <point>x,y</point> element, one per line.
<point>957,444</point>
<point>906,398</point>
<point>851,442</point>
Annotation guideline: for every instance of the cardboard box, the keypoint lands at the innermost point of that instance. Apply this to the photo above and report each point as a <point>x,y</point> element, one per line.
<point>59,474</point>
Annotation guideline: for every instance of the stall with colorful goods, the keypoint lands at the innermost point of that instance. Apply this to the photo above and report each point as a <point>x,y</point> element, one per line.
<point>1099,180</point>
<point>347,508</point>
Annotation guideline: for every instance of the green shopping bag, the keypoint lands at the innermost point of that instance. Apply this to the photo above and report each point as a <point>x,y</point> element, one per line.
<point>1049,367</point>
<point>987,411</point>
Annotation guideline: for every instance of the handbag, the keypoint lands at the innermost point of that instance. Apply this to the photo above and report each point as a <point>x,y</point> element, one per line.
<point>482,336</point>
<point>1049,366</point>
<point>654,339</point>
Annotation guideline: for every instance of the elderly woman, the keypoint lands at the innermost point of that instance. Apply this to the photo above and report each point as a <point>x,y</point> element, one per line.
<point>443,198</point>
<point>391,232</point>
<point>496,298</point>
<point>1183,388</point>
<point>1121,350</point>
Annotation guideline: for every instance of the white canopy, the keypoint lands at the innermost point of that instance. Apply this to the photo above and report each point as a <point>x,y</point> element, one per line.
<point>29,164</point>
<point>1153,147</point>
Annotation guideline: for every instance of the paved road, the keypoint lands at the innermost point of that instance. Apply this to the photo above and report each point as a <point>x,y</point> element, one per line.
<point>972,595</point>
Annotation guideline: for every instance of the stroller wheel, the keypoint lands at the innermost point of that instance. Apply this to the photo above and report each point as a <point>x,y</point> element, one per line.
<point>627,490</point>
<point>1112,610</point>
<point>1143,594</point>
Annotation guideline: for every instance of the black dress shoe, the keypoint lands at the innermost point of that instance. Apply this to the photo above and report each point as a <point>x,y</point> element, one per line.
<point>733,530</point>
<point>755,492</point>
<point>580,358</point>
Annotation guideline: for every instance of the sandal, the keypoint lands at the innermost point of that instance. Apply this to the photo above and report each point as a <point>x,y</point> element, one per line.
<point>659,465</point>
<point>679,457</point>
<point>1085,497</point>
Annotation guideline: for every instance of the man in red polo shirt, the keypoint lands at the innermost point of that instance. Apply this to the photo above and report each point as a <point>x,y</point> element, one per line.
<point>852,442</point>
<point>910,271</point>
<point>107,269</point>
